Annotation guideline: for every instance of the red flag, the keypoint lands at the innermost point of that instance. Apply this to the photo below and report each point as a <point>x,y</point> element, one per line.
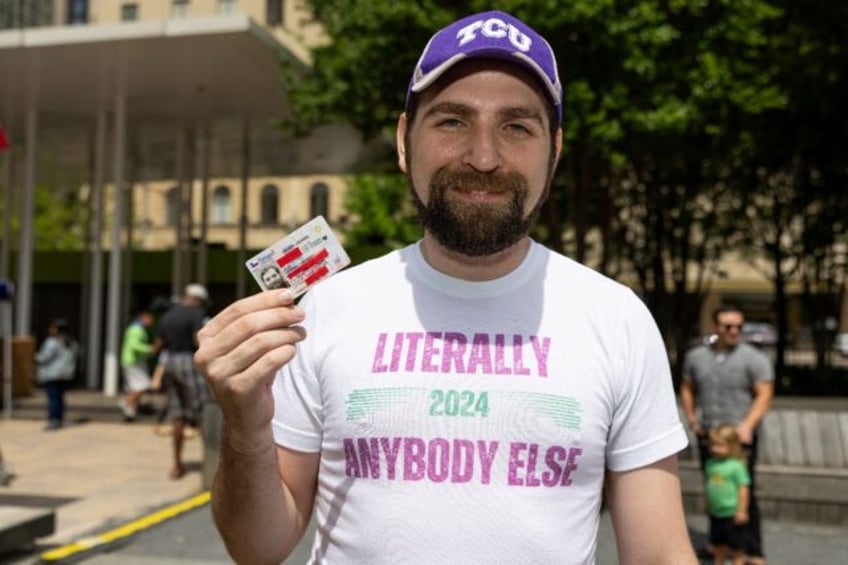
<point>4,141</point>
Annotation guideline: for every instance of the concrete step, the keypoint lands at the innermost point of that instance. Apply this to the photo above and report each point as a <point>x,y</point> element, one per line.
<point>21,525</point>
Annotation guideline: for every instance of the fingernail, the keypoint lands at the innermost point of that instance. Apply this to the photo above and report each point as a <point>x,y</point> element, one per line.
<point>285,296</point>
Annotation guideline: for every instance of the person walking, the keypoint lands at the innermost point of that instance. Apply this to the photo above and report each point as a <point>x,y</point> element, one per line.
<point>56,366</point>
<point>184,384</point>
<point>476,411</point>
<point>136,350</point>
<point>729,381</point>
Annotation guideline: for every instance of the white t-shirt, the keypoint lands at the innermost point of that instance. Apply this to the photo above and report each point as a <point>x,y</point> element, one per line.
<point>471,422</point>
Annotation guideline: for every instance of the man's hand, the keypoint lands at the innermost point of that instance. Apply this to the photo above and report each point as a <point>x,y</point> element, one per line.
<point>745,433</point>
<point>240,350</point>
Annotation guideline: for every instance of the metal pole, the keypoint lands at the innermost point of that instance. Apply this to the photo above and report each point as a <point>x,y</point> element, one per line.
<point>241,281</point>
<point>8,203</point>
<point>177,277</point>
<point>24,284</point>
<point>113,311</point>
<point>95,317</point>
<point>203,250</point>
<point>8,376</point>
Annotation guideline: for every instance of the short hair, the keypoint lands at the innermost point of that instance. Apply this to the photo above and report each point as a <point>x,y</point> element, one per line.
<point>724,308</point>
<point>727,434</point>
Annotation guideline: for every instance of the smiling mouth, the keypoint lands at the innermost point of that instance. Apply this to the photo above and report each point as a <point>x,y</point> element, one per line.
<point>484,194</point>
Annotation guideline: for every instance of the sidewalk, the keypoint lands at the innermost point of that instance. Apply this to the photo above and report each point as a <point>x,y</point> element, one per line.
<point>97,472</point>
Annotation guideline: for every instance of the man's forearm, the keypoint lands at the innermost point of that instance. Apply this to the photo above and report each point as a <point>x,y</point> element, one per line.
<point>252,511</point>
<point>759,407</point>
<point>687,399</point>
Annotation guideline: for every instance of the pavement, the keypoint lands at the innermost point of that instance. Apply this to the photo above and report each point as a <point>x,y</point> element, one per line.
<point>97,472</point>
<point>108,483</point>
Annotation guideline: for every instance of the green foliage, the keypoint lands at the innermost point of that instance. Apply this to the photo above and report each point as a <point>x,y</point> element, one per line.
<point>679,117</point>
<point>60,218</point>
<point>382,210</point>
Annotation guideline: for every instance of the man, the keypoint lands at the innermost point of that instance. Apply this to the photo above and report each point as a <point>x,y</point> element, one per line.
<point>135,351</point>
<point>185,385</point>
<point>472,412</point>
<point>729,382</point>
<point>272,277</point>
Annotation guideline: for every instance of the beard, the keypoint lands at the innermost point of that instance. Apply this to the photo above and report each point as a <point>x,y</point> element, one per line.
<point>477,228</point>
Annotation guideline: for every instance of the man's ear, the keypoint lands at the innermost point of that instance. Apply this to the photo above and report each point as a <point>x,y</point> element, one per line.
<point>558,144</point>
<point>400,141</point>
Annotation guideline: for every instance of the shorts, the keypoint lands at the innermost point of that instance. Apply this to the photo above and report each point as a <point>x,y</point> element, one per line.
<point>187,390</point>
<point>724,531</point>
<point>136,377</point>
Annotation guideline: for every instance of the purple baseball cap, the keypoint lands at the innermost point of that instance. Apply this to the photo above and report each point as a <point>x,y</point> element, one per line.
<point>488,35</point>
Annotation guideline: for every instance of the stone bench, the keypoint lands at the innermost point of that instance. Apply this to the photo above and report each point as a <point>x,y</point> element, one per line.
<point>20,526</point>
<point>802,466</point>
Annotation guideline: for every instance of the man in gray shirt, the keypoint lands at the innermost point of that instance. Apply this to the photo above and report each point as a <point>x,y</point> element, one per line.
<point>729,382</point>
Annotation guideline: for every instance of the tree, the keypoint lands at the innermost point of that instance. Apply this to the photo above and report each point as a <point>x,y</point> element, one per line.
<point>59,220</point>
<point>675,128</point>
<point>382,212</point>
<point>798,203</point>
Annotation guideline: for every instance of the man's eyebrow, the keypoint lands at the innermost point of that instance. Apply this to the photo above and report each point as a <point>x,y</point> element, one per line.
<point>521,113</point>
<point>448,108</point>
<point>510,113</point>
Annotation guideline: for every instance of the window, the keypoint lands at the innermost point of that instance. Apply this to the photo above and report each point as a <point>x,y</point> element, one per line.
<point>226,6</point>
<point>274,12</point>
<point>319,200</point>
<point>172,206</point>
<point>77,11</point>
<point>129,12</point>
<point>269,205</point>
<point>221,212</point>
<point>179,8</point>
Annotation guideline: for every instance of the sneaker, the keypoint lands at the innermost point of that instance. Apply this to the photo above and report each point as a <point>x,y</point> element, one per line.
<point>53,425</point>
<point>6,474</point>
<point>129,413</point>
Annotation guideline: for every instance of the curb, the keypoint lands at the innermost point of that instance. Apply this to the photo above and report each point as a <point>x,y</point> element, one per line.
<point>83,547</point>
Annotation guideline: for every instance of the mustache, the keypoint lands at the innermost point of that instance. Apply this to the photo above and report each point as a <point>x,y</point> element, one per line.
<point>471,181</point>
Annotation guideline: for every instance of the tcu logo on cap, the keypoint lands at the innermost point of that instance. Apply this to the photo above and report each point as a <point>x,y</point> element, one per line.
<point>496,29</point>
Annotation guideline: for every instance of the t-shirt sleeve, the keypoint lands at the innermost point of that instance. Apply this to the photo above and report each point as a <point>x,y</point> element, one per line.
<point>742,476</point>
<point>688,367</point>
<point>298,407</point>
<point>646,423</point>
<point>761,368</point>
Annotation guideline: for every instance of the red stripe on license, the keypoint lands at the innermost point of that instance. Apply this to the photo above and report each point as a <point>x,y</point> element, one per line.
<point>309,263</point>
<point>318,274</point>
<point>289,257</point>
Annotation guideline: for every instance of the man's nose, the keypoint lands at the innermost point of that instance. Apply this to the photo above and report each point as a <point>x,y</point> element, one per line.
<point>483,152</point>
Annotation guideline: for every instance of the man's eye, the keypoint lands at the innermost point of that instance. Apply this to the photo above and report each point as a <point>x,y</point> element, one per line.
<point>449,123</point>
<point>518,128</point>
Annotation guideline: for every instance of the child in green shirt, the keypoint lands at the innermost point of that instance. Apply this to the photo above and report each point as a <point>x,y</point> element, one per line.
<point>727,491</point>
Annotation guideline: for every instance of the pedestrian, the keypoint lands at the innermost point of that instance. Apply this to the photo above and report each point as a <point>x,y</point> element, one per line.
<point>157,384</point>
<point>465,399</point>
<point>136,350</point>
<point>729,381</point>
<point>727,488</point>
<point>184,384</point>
<point>56,366</point>
<point>7,475</point>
